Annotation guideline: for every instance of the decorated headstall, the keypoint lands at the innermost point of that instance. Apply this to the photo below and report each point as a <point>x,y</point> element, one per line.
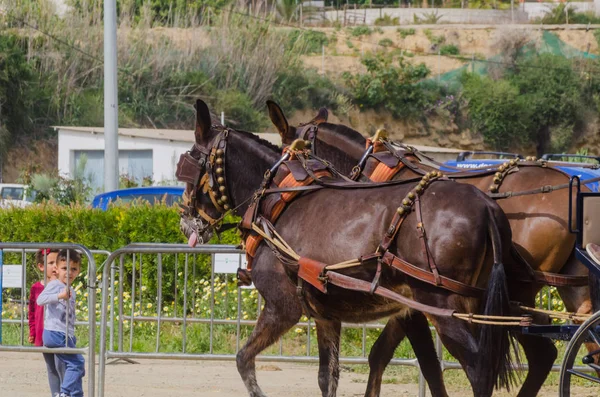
<point>308,134</point>
<point>205,171</point>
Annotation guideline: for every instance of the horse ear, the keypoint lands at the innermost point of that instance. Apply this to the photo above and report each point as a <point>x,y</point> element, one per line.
<point>203,122</point>
<point>321,116</point>
<point>278,118</point>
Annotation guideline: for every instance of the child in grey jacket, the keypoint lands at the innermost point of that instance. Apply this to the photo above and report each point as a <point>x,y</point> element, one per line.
<point>59,320</point>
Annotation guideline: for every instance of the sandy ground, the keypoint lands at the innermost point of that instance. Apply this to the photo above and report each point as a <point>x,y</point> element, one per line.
<point>23,375</point>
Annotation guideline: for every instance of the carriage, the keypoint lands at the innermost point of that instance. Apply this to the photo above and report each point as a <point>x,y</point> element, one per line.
<point>468,277</point>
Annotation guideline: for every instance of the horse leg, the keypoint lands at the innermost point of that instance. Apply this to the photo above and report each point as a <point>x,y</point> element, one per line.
<point>458,339</point>
<point>539,352</point>
<point>416,328</point>
<point>328,336</point>
<point>282,311</point>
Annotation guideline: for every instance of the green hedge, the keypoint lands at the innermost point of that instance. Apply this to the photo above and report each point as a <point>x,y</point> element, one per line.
<point>106,230</point>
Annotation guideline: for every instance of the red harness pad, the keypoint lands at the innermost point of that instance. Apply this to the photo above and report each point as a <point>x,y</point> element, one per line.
<point>310,271</point>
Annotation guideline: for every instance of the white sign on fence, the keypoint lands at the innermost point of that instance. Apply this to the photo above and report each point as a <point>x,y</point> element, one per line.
<point>11,276</point>
<point>229,263</point>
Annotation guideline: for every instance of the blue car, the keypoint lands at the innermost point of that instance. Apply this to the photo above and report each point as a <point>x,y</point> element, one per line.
<point>151,194</point>
<point>465,161</point>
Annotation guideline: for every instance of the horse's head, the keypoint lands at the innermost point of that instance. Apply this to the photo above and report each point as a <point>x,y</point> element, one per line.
<point>305,131</point>
<point>222,172</point>
<point>202,169</point>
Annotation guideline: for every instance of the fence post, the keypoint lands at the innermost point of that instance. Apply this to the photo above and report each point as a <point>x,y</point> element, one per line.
<point>439,64</point>
<point>512,11</point>
<point>323,60</point>
<point>1,263</point>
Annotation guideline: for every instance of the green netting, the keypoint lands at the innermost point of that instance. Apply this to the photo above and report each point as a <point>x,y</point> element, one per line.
<point>548,43</point>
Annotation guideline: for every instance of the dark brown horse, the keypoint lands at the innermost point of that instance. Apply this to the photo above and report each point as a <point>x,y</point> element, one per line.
<point>468,235</point>
<point>539,223</point>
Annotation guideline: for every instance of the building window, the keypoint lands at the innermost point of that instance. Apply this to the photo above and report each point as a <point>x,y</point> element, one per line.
<point>136,164</point>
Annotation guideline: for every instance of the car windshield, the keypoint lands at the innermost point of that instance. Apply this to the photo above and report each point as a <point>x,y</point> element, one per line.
<point>12,193</point>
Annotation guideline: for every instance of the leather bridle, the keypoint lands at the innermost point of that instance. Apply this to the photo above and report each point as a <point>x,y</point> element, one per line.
<point>205,171</point>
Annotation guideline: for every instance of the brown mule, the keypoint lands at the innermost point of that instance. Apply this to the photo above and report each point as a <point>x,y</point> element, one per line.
<point>468,236</point>
<point>540,232</point>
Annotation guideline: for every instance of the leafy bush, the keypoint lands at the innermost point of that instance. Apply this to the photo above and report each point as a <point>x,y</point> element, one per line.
<point>427,18</point>
<point>387,20</point>
<point>360,31</point>
<point>300,89</point>
<point>496,110</point>
<point>307,41</point>
<point>386,42</point>
<point>449,49</point>
<point>102,230</point>
<point>433,38</point>
<point>17,90</point>
<point>406,32</point>
<point>551,89</point>
<point>557,15</point>
<point>388,86</point>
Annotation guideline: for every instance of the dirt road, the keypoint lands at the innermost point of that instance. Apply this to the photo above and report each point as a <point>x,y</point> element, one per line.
<point>23,375</point>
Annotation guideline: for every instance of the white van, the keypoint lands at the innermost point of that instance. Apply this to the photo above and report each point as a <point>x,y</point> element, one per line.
<point>13,194</point>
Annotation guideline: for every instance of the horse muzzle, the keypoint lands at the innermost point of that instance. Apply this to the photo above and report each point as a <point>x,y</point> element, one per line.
<point>195,229</point>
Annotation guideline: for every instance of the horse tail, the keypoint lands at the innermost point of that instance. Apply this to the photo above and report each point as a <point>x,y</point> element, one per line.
<point>495,341</point>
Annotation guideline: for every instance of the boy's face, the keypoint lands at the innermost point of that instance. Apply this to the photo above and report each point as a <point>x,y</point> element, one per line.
<point>51,266</point>
<point>62,270</point>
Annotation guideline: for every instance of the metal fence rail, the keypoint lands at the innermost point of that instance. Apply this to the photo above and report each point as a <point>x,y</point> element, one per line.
<point>90,350</point>
<point>123,269</point>
<point>186,291</point>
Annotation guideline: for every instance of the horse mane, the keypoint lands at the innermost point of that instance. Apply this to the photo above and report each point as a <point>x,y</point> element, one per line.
<point>258,139</point>
<point>345,131</point>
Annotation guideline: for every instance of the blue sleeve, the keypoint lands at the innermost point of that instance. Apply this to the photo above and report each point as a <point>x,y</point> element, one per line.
<point>49,294</point>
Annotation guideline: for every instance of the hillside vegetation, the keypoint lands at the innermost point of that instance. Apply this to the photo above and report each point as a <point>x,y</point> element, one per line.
<point>169,54</point>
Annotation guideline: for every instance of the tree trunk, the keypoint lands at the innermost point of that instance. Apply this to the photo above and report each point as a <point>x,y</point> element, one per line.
<point>543,140</point>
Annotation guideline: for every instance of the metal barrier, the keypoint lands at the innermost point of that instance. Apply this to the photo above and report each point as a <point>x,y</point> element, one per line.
<point>123,274</point>
<point>90,351</point>
<point>173,262</point>
<point>124,268</point>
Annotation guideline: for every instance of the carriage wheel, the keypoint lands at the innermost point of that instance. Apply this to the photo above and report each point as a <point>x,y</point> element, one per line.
<point>578,362</point>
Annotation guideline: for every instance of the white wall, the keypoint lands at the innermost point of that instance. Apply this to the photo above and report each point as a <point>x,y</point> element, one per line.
<point>165,154</point>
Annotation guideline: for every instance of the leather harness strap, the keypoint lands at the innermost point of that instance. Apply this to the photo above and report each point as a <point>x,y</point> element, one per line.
<point>428,277</point>
<point>561,280</point>
<point>423,238</point>
<point>343,281</point>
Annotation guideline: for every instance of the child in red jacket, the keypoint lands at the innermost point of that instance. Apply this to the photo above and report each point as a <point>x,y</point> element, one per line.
<point>55,367</point>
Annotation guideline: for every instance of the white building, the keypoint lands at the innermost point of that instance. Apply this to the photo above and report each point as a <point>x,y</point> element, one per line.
<point>142,152</point>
